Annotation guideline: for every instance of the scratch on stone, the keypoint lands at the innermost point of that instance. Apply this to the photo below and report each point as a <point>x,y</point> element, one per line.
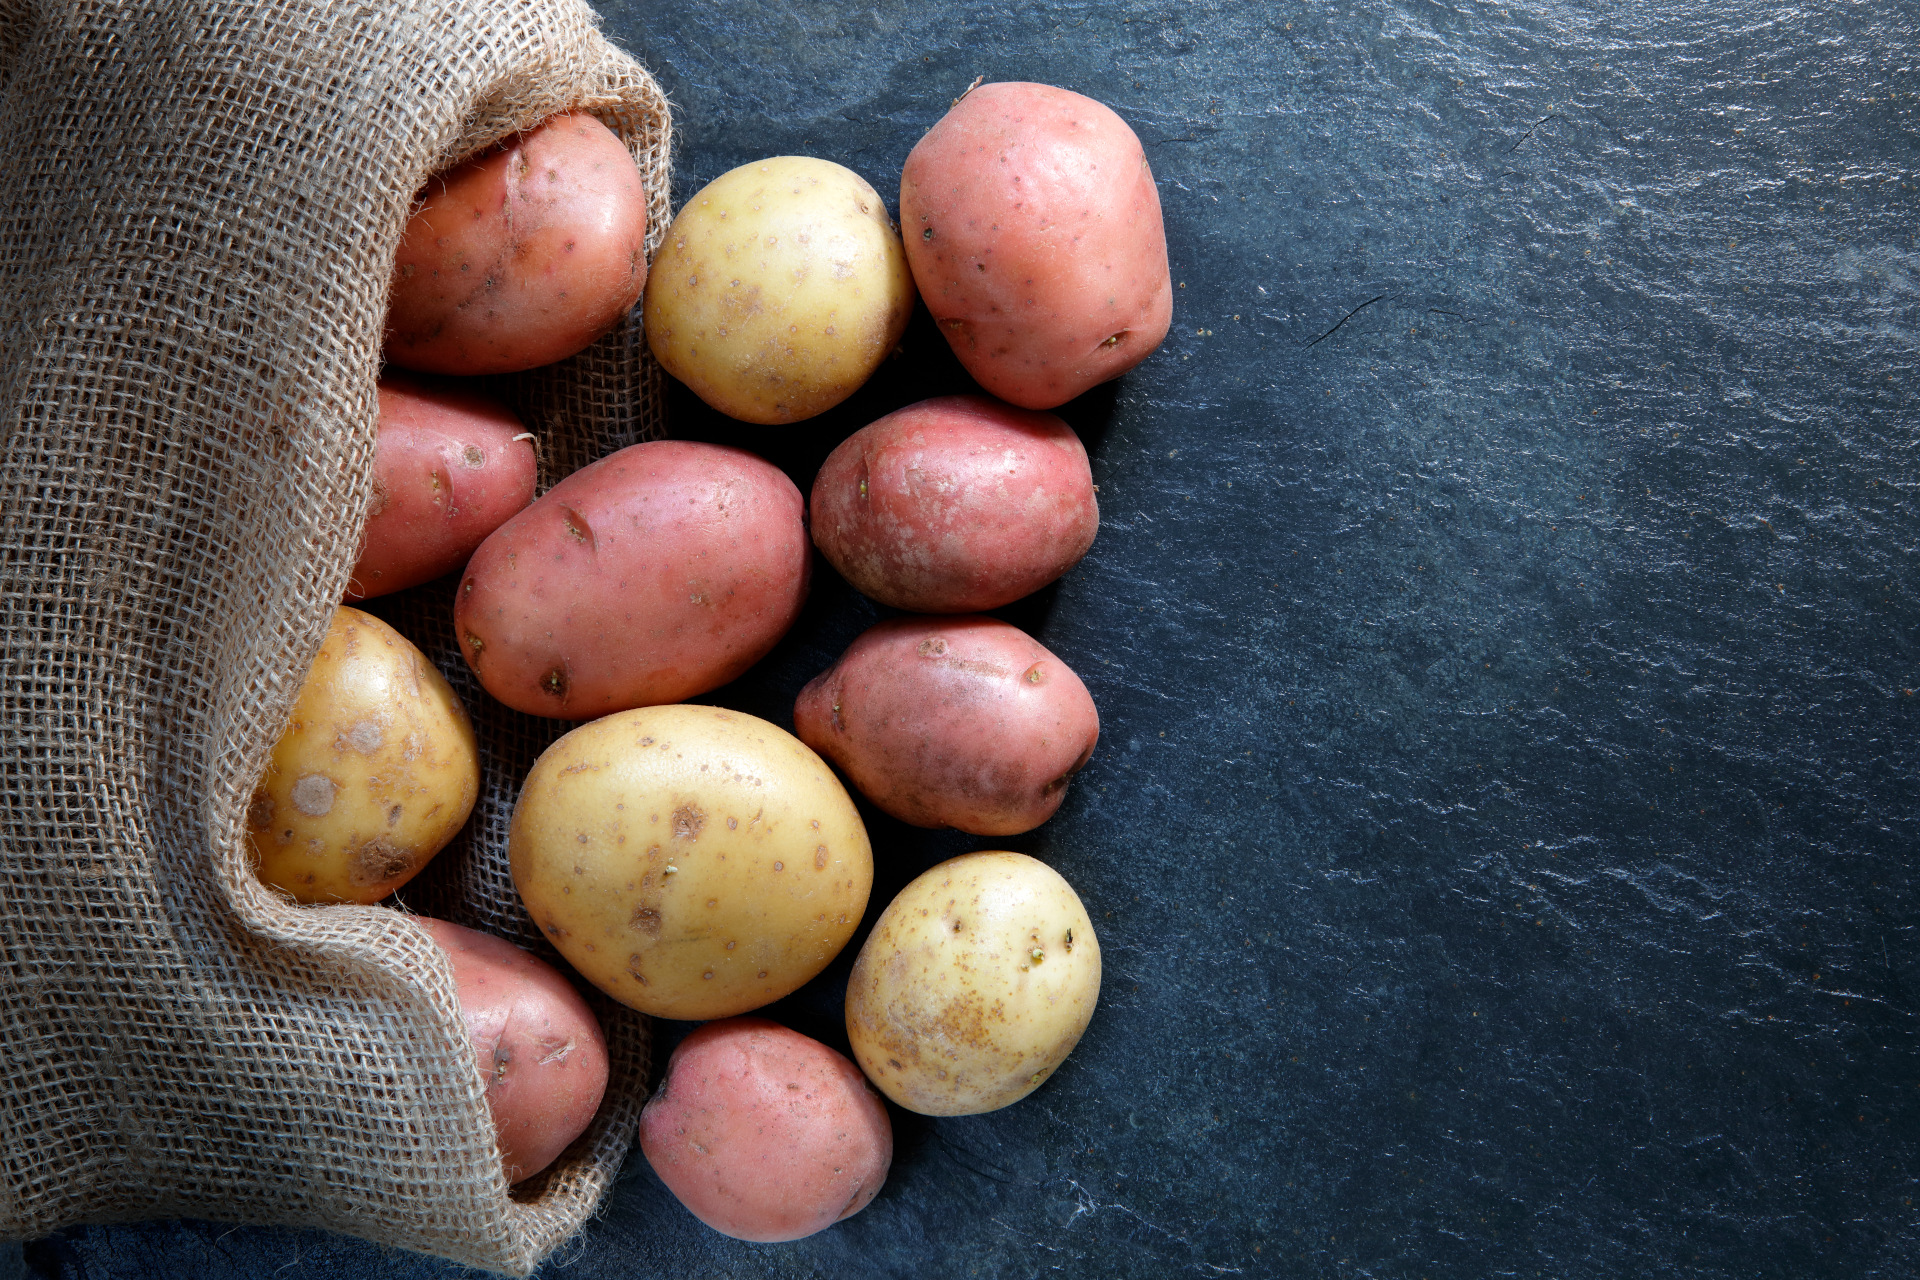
<point>1343,319</point>
<point>983,1168</point>
<point>1088,1205</point>
<point>1529,133</point>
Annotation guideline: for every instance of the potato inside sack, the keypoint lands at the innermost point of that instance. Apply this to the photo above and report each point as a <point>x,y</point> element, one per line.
<point>539,1047</point>
<point>450,466</point>
<point>1034,231</point>
<point>779,289</point>
<point>764,1134</point>
<point>375,773</point>
<point>521,256</point>
<point>691,862</point>
<point>974,986</point>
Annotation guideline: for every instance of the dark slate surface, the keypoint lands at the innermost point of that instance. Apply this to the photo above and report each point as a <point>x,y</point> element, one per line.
<point>1503,624</point>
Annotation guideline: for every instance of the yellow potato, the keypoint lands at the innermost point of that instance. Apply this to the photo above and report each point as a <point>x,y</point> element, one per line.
<point>779,289</point>
<point>375,773</point>
<point>689,861</point>
<point>974,985</point>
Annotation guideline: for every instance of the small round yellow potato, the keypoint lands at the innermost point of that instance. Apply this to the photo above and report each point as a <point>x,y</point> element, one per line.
<point>974,985</point>
<point>376,771</point>
<point>779,289</point>
<point>689,861</point>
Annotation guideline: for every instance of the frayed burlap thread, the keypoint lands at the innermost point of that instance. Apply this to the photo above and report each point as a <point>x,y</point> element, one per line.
<point>199,206</point>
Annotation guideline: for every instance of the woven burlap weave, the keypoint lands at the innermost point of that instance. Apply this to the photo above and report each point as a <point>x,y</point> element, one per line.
<point>199,205</point>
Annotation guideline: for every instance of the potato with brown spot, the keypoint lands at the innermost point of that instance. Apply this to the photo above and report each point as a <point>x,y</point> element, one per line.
<point>450,466</point>
<point>689,861</point>
<point>375,773</point>
<point>1033,227</point>
<point>975,984</point>
<point>659,572</point>
<point>539,1048</point>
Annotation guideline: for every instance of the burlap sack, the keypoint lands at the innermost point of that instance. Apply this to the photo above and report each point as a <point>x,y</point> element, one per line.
<point>199,204</point>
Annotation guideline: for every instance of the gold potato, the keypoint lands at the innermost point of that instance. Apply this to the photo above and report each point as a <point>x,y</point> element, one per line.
<point>975,984</point>
<point>376,771</point>
<point>689,861</point>
<point>779,289</point>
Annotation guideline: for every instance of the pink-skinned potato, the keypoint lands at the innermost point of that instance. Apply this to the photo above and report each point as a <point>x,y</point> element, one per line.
<point>538,1045</point>
<point>960,722</point>
<point>521,256</point>
<point>653,575</point>
<point>955,505</point>
<point>764,1134</point>
<point>1033,229</point>
<point>450,466</point>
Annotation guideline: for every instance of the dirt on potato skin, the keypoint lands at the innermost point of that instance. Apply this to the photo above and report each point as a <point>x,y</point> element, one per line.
<point>379,860</point>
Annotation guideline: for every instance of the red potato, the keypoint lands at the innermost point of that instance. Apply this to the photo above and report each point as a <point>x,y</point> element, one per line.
<point>955,505</point>
<point>764,1134</point>
<point>539,1046</point>
<point>952,722</point>
<point>450,467</point>
<point>655,574</point>
<point>1033,229</point>
<point>521,256</point>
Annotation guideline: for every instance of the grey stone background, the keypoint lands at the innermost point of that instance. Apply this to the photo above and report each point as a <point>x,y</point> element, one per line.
<point>1503,626</point>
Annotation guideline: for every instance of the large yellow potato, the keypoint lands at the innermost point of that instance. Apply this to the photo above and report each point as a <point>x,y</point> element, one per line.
<point>974,985</point>
<point>689,861</point>
<point>779,289</point>
<point>376,771</point>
